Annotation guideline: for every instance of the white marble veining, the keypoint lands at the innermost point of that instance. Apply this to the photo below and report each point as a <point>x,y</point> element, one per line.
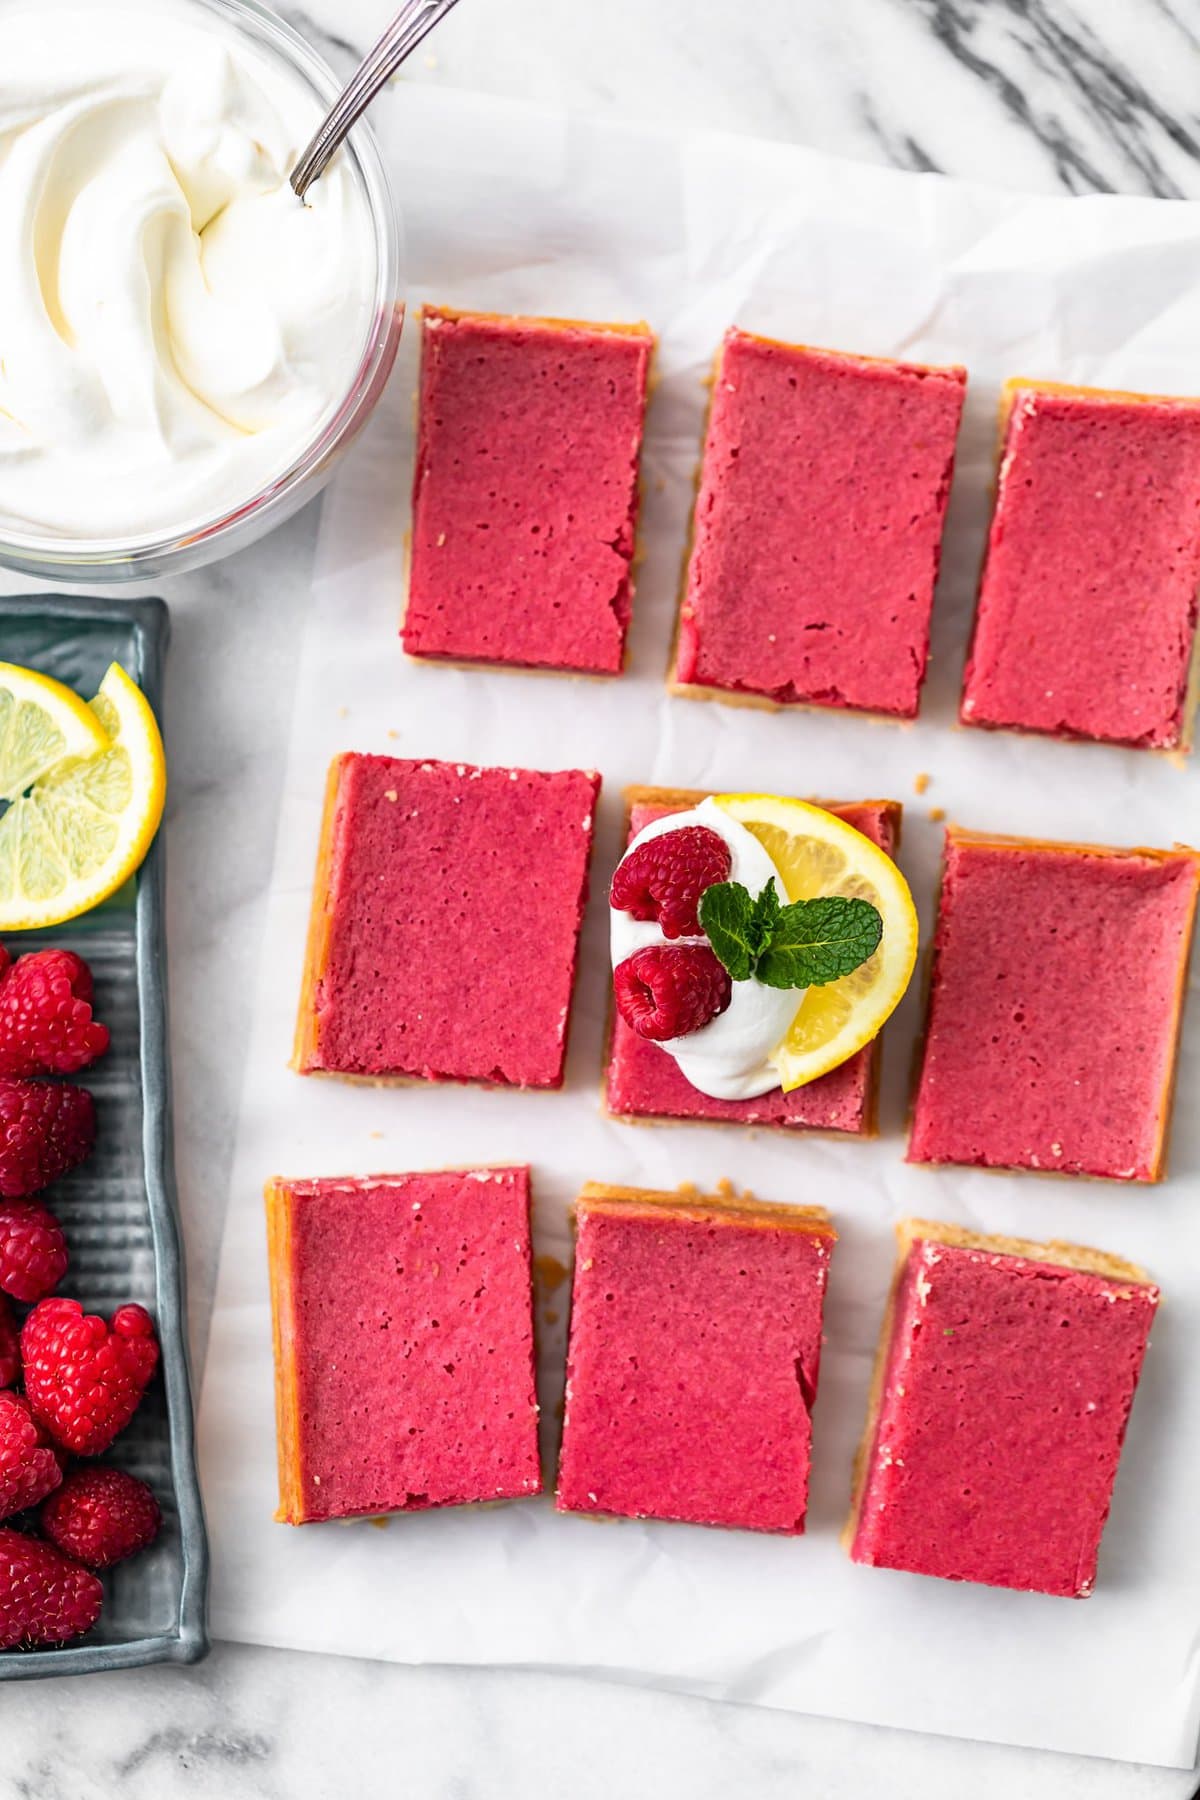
<point>1036,93</point>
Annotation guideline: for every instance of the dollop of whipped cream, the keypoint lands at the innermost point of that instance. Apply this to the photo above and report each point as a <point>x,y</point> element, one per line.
<point>174,324</point>
<point>727,1058</point>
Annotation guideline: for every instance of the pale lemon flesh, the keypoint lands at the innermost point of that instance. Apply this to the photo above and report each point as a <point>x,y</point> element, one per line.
<point>41,722</point>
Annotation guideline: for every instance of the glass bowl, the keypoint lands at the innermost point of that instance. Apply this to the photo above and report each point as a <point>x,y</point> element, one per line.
<point>204,538</point>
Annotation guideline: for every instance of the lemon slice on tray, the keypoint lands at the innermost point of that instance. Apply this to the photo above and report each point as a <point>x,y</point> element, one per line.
<point>817,853</point>
<point>41,722</point>
<point>83,811</point>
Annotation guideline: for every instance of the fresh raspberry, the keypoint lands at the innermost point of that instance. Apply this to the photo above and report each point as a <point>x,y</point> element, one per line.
<point>29,1467</point>
<point>45,1598</point>
<point>10,1346</point>
<point>33,1250</point>
<point>46,1023</point>
<point>666,992</point>
<point>101,1516</point>
<point>45,1129</point>
<point>664,878</point>
<point>84,1378</point>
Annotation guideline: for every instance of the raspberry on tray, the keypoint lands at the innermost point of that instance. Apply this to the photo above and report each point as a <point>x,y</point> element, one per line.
<point>525,494</point>
<point>445,924</point>
<point>46,1023</point>
<point>404,1361</point>
<point>46,1129</point>
<point>1055,1002</point>
<point>643,1081</point>
<point>818,528</point>
<point>29,1464</point>
<point>33,1250</point>
<point>694,1353</point>
<point>85,1377</point>
<point>101,1515</point>
<point>1003,1383</point>
<point>45,1597</point>
<point>1086,623</point>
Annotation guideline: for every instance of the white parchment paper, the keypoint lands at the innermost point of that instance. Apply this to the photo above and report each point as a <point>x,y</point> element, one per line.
<point>517,209</point>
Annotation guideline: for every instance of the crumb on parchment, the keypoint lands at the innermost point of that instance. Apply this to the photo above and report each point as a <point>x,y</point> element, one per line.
<point>550,1273</point>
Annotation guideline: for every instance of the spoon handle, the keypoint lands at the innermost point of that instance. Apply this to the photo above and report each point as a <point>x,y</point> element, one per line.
<point>413,21</point>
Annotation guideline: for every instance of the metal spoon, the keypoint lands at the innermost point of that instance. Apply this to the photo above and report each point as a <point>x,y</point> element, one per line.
<point>415,19</point>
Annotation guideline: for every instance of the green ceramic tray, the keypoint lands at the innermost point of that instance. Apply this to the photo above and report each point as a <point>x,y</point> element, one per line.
<point>120,1210</point>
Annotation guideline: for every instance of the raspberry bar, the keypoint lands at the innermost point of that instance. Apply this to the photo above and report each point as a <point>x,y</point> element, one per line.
<point>445,922</point>
<point>1005,1375</point>
<point>1086,624</point>
<point>694,1352</point>
<point>1054,1008</point>
<point>645,1083</point>
<point>818,528</point>
<point>525,494</point>
<point>404,1372</point>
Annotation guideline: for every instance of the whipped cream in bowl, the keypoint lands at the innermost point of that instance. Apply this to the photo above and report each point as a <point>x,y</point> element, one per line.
<point>729,1058</point>
<point>184,345</point>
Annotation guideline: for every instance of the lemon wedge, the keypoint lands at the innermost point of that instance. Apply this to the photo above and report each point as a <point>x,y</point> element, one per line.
<point>817,853</point>
<point>79,823</point>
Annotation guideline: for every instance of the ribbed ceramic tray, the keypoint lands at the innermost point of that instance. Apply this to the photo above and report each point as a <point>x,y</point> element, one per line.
<point>119,1210</point>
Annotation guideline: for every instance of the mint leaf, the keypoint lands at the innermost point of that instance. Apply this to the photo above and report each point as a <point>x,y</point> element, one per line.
<point>817,941</point>
<point>806,944</point>
<point>727,914</point>
<point>764,915</point>
<point>739,928</point>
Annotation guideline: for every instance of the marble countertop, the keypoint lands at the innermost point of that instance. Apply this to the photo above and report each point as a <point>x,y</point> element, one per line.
<point>1042,94</point>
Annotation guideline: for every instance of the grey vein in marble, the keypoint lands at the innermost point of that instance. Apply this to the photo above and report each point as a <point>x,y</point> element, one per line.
<point>1094,115</point>
<point>1076,94</point>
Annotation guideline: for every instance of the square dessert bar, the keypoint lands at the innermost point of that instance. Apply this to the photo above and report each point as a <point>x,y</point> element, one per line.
<point>1086,623</point>
<point>818,527</point>
<point>404,1360</point>
<point>1005,1375</point>
<point>525,494</point>
<point>445,922</point>
<point>644,1082</point>
<point>693,1358</point>
<point>1054,1007</point>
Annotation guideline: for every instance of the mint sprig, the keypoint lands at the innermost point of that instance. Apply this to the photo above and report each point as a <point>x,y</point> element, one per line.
<point>806,944</point>
<point>738,928</point>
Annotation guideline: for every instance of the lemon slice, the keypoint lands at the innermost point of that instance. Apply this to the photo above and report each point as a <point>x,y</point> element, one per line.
<point>816,854</point>
<point>81,825</point>
<point>41,721</point>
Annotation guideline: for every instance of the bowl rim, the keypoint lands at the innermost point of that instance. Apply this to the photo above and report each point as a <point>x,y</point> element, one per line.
<point>43,553</point>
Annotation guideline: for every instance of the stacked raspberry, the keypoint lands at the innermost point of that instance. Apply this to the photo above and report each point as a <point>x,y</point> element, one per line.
<point>670,990</point>
<point>69,1382</point>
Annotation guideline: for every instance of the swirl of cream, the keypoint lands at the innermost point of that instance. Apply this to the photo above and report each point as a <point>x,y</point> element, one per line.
<point>174,324</point>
